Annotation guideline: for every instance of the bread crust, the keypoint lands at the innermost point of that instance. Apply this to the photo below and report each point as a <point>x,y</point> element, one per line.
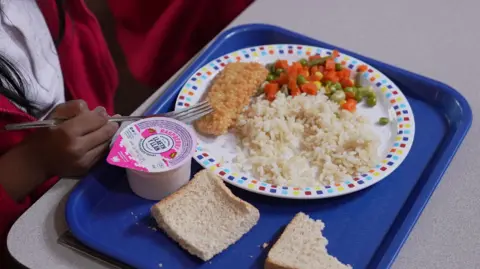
<point>270,264</point>
<point>246,210</point>
<point>276,258</point>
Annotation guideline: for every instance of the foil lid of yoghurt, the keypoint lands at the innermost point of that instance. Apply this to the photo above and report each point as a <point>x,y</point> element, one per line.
<point>153,145</point>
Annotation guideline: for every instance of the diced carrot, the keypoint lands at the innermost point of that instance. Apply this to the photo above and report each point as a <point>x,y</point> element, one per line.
<point>344,73</point>
<point>314,77</point>
<point>330,65</point>
<point>340,74</point>
<point>281,64</point>
<point>313,57</point>
<point>330,76</point>
<point>362,68</point>
<point>292,84</point>
<point>292,71</point>
<point>295,92</point>
<point>282,79</point>
<point>292,77</point>
<point>313,69</point>
<point>298,66</point>
<point>321,69</point>
<point>350,105</point>
<point>335,53</point>
<point>347,72</point>
<point>271,90</point>
<point>304,73</point>
<point>346,82</point>
<point>309,88</point>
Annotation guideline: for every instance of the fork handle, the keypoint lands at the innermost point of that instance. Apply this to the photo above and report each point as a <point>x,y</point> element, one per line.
<point>126,118</point>
<point>55,122</point>
<point>31,125</point>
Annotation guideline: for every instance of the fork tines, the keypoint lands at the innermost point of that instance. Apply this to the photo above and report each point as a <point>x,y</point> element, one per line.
<point>192,113</point>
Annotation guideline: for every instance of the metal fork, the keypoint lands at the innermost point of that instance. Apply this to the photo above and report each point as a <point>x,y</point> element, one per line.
<point>185,115</point>
<point>68,240</point>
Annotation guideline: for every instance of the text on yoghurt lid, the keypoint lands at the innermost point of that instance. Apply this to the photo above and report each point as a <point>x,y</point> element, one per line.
<point>153,145</point>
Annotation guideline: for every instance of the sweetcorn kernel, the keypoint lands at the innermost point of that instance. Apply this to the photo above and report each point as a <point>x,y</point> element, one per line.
<point>319,74</point>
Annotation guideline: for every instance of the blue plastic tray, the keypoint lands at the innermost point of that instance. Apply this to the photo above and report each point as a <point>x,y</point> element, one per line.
<point>365,229</point>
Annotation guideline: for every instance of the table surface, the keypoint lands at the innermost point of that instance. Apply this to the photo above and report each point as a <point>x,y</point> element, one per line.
<point>436,38</point>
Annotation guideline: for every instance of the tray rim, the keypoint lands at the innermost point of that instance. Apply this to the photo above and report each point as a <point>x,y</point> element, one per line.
<point>392,243</point>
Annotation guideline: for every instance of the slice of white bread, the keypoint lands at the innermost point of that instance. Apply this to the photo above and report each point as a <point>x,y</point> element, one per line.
<point>204,216</point>
<point>302,246</point>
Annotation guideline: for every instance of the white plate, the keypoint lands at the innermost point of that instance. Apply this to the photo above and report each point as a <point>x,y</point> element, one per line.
<point>216,154</point>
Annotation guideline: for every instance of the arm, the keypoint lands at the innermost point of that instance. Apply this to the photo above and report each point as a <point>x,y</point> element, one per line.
<point>21,172</point>
<point>15,176</point>
<point>69,149</point>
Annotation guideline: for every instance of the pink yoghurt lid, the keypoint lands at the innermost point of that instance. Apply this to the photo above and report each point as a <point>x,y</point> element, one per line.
<point>153,145</point>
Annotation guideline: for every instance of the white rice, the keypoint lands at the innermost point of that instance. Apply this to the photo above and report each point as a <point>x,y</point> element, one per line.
<point>303,141</point>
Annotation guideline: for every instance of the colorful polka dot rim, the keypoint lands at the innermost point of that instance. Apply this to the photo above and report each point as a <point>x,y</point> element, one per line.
<point>216,154</point>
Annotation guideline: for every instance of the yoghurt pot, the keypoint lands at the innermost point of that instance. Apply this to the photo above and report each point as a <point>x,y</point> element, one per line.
<point>157,154</point>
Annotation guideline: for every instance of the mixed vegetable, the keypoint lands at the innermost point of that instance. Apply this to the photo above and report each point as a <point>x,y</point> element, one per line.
<point>383,121</point>
<point>317,73</point>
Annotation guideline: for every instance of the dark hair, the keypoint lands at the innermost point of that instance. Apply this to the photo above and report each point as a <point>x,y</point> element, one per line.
<point>12,83</point>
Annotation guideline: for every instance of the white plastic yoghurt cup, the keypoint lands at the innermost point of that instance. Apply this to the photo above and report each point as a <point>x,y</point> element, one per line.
<point>157,154</point>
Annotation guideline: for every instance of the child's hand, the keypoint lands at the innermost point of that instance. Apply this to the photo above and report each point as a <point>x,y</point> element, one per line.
<point>73,147</point>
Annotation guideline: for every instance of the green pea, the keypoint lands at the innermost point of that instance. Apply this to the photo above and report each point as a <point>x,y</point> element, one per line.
<point>303,62</point>
<point>331,89</point>
<point>338,96</point>
<point>318,61</point>
<point>370,92</point>
<point>367,92</point>
<point>364,92</point>
<point>383,121</point>
<point>337,114</point>
<point>301,80</point>
<point>338,67</point>
<point>358,98</point>
<point>270,77</point>
<point>338,86</point>
<point>371,101</point>
<point>328,88</point>
<point>279,71</point>
<point>350,90</point>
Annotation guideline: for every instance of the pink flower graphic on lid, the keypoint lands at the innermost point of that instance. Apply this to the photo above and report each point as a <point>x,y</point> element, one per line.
<point>148,132</point>
<point>170,154</point>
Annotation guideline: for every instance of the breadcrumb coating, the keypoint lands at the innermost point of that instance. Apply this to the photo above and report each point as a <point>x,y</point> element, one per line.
<point>229,93</point>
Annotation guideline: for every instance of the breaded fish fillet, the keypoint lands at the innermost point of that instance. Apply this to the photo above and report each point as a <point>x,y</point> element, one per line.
<point>229,93</point>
